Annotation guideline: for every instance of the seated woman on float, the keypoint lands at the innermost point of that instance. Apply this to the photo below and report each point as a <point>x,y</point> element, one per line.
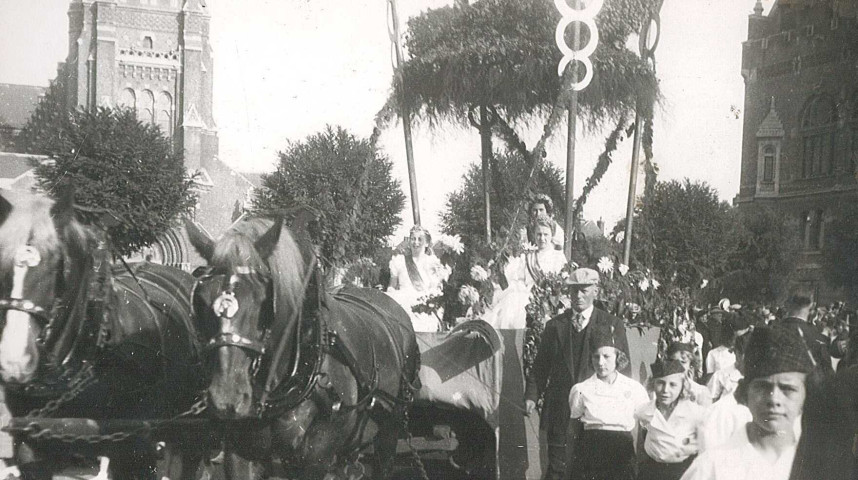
<point>522,273</point>
<point>416,274</point>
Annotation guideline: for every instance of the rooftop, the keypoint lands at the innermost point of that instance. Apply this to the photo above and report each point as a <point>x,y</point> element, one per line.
<point>17,103</point>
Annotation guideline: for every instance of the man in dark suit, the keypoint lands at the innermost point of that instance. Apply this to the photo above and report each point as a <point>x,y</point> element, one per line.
<point>797,310</point>
<point>563,360</point>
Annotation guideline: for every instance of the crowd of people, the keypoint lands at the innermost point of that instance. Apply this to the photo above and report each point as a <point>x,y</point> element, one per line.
<point>744,392</point>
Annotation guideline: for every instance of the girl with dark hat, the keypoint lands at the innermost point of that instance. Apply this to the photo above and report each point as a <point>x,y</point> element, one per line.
<point>605,403</point>
<point>670,424</point>
<point>684,354</point>
<point>776,367</point>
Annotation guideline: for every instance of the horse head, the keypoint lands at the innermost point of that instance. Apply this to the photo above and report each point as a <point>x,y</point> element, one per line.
<point>40,245</point>
<point>243,298</point>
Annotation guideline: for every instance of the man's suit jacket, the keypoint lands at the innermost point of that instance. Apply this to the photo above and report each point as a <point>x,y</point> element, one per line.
<point>555,362</point>
<point>816,342</point>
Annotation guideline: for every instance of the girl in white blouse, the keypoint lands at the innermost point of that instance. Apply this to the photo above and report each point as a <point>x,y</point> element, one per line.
<point>605,403</point>
<point>670,424</point>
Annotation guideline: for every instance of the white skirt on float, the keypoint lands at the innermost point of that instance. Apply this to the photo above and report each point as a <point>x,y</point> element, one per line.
<point>422,322</point>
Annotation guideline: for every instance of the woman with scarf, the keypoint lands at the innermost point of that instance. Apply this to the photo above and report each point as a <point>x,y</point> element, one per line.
<point>522,273</point>
<point>415,275</point>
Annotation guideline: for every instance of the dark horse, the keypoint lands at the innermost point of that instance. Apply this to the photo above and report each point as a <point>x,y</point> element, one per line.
<point>297,373</point>
<point>82,341</point>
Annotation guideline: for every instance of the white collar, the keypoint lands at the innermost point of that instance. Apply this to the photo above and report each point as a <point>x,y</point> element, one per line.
<point>586,314</point>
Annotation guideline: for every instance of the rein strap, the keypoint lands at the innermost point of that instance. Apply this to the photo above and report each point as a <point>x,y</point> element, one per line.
<point>269,386</point>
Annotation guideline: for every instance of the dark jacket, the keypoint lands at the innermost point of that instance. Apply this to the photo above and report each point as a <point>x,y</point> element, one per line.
<point>817,343</point>
<point>554,362</point>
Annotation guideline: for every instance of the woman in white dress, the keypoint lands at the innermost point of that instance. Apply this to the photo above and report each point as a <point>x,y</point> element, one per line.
<point>508,308</point>
<point>415,275</point>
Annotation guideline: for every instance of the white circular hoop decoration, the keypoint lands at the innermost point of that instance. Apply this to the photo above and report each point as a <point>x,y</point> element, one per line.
<point>592,8</point>
<point>588,75</point>
<point>586,16</point>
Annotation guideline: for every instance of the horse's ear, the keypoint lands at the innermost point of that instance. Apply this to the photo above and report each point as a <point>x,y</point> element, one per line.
<point>5,209</point>
<point>63,209</point>
<point>266,243</point>
<point>201,240</point>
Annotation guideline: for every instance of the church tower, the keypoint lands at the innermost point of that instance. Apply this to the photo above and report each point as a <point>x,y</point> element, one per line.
<point>152,55</point>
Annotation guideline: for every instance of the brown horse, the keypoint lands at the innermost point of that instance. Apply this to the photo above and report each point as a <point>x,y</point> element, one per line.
<point>298,373</point>
<point>82,341</point>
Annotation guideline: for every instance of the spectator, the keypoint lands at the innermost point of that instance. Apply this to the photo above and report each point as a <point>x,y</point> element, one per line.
<point>796,312</point>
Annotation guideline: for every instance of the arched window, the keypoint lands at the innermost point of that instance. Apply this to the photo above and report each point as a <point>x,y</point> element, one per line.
<point>817,131</point>
<point>165,123</point>
<point>146,107</point>
<point>769,164</point>
<point>164,116</point>
<point>147,42</point>
<point>128,98</point>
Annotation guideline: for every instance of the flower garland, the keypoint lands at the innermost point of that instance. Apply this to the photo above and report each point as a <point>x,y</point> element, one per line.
<point>548,298</point>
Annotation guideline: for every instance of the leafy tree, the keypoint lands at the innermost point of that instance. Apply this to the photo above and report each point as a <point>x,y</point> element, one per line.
<point>463,214</point>
<point>117,163</point>
<point>348,182</point>
<point>681,233</point>
<point>763,261</point>
<point>685,235</point>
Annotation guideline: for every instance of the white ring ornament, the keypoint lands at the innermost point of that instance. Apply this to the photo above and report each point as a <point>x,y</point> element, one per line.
<point>560,36</point>
<point>585,16</point>
<point>588,72</point>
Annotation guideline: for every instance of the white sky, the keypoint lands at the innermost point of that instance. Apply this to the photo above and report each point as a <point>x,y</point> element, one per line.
<point>286,68</point>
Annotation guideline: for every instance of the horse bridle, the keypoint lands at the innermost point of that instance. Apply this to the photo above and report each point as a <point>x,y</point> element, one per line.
<point>26,257</point>
<point>225,306</point>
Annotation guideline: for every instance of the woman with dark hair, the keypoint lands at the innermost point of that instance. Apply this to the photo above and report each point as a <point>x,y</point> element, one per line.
<point>605,403</point>
<point>541,205</point>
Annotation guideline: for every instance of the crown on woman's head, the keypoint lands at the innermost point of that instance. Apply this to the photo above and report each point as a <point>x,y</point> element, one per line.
<point>419,229</point>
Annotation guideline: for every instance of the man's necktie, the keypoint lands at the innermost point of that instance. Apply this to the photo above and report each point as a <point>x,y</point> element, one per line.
<point>578,322</point>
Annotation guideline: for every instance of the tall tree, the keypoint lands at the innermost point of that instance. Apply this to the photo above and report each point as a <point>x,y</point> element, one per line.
<point>687,237</point>
<point>681,233</point>
<point>764,260</point>
<point>463,212</point>
<point>115,162</point>
<point>348,182</point>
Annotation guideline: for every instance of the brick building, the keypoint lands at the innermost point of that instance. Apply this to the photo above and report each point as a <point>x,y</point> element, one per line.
<point>800,132</point>
<point>154,56</point>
